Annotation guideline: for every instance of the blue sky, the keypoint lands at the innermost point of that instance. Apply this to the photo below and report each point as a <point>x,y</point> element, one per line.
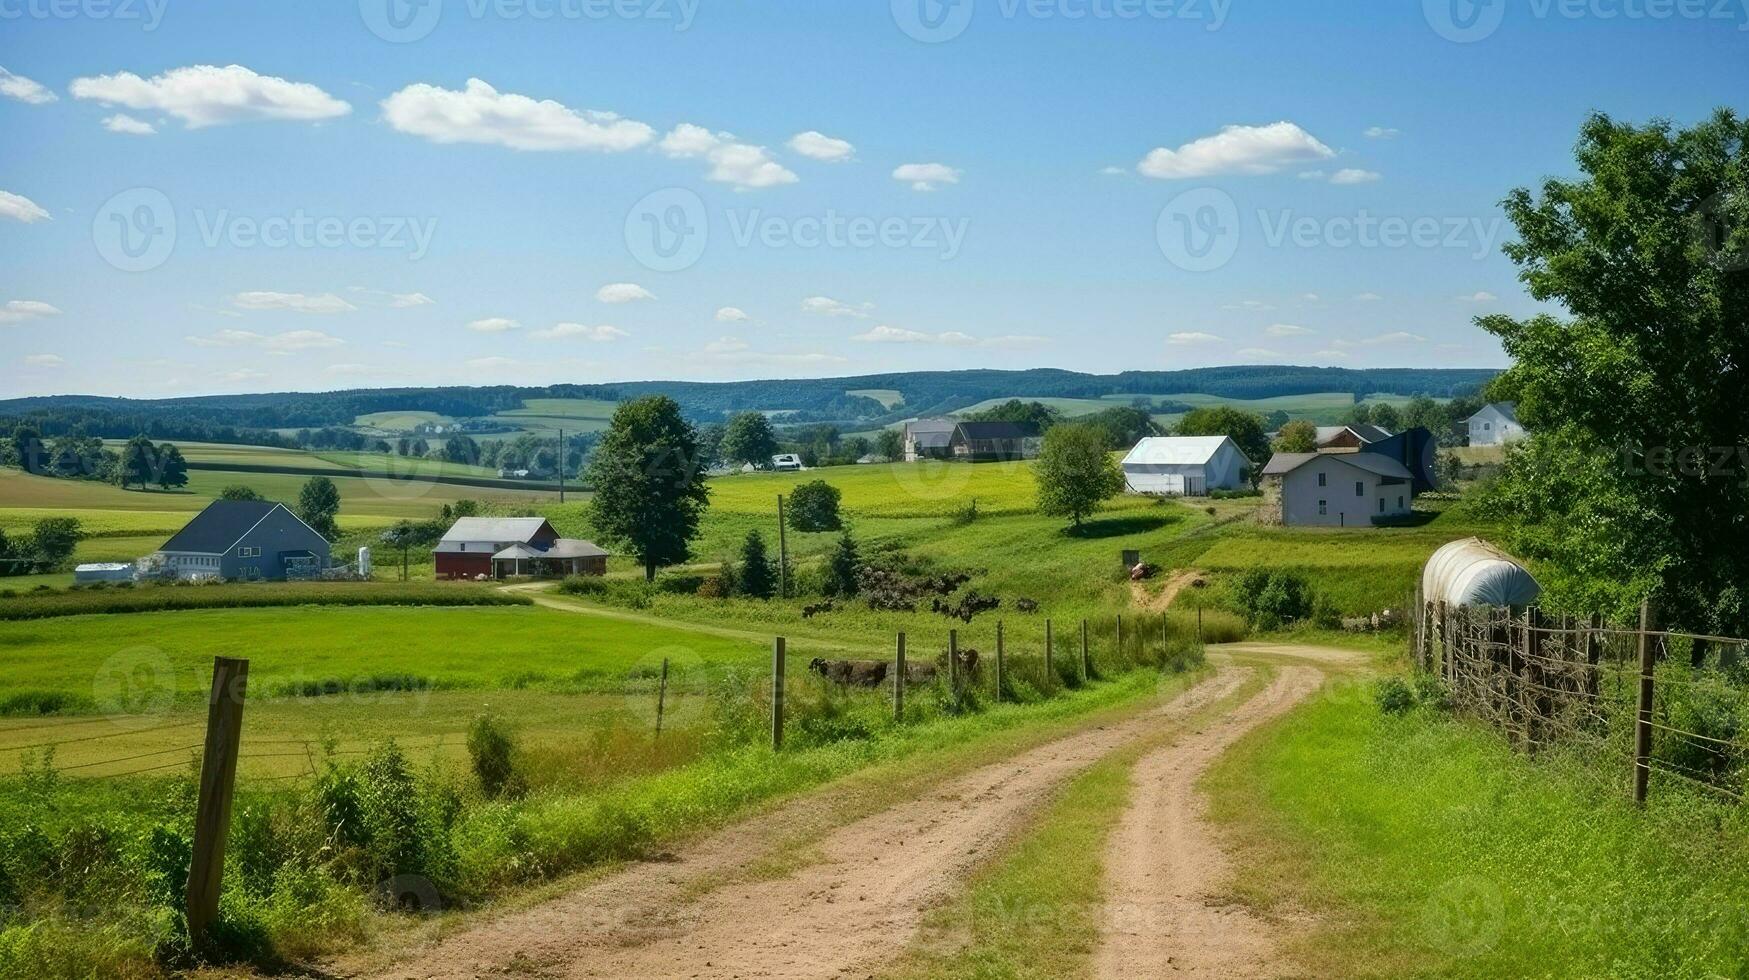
<point>630,190</point>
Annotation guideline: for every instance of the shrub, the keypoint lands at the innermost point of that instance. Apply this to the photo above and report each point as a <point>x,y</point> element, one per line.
<point>492,747</point>
<point>814,507</point>
<point>1273,599</point>
<point>1394,696</point>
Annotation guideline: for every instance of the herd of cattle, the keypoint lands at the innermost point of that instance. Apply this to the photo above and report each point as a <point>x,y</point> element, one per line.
<point>874,673</point>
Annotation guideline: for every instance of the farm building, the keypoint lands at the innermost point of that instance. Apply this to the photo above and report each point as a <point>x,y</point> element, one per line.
<point>928,439</point>
<point>989,442</point>
<point>1350,437</point>
<point>104,571</point>
<point>1335,489</point>
<point>505,547</point>
<point>243,539</point>
<point>1496,425</point>
<point>1185,466</point>
<point>1472,572</point>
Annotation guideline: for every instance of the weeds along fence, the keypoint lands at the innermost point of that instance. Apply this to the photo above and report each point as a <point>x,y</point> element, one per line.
<point>808,700</point>
<point>1660,707</point>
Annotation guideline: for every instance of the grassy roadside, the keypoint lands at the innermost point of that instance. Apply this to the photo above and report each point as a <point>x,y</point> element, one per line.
<point>1034,912</point>
<point>1425,847</point>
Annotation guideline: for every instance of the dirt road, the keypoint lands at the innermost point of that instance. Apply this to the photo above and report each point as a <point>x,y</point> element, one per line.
<point>748,902</point>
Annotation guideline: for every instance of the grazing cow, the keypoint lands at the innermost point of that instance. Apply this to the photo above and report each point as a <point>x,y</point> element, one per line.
<point>851,673</point>
<point>1026,605</point>
<point>808,612</point>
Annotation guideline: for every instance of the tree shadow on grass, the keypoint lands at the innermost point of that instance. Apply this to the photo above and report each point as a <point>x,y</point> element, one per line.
<point>1117,527</point>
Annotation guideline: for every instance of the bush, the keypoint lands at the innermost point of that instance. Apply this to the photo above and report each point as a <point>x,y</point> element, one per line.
<point>492,747</point>
<point>814,507</point>
<point>1394,696</point>
<point>1273,599</point>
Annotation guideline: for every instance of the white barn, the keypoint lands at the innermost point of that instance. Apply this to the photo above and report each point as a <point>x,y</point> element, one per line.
<point>1496,425</point>
<point>1185,466</point>
<point>1335,489</point>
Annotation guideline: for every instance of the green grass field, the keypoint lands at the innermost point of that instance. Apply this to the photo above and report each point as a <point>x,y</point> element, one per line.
<point>396,423</point>
<point>886,396</point>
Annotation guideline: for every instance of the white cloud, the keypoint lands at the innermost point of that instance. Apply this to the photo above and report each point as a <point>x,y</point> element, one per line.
<point>816,145</point>
<point>245,374</point>
<point>1334,355</point>
<point>1286,330</point>
<point>1253,305</point>
<point>1310,297</point>
<point>1192,337</point>
<point>206,95</point>
<point>1482,296</point>
<point>732,162</point>
<point>123,123</point>
<point>1236,150</point>
<point>623,292</point>
<point>495,361</point>
<point>44,360</point>
<point>583,331</point>
<point>321,304</point>
<point>494,324</point>
<point>1354,175</point>
<point>21,208</point>
<point>926,176</point>
<point>481,114</point>
<point>1313,174</point>
<point>1367,297</point>
<point>732,314</point>
<point>1394,337</point>
<point>1114,171</point>
<point>884,334</point>
<point>725,345</point>
<point>827,306</point>
<point>1252,353</point>
<point>23,89</point>
<point>279,343</point>
<point>401,301</point>
<point>1381,133</point>
<point>18,310</point>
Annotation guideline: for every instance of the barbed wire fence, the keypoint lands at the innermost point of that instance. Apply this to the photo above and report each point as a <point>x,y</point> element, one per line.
<point>1652,702</point>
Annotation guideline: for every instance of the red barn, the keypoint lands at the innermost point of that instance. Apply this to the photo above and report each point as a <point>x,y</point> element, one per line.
<point>501,547</point>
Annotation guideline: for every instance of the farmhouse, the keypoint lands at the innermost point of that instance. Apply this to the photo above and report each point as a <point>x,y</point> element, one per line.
<point>1185,466</point>
<point>1496,425</point>
<point>928,439</point>
<point>1335,489</point>
<point>989,442</point>
<point>242,539</point>
<point>501,547</point>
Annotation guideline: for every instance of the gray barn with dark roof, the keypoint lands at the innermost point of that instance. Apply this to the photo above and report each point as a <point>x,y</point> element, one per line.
<point>244,539</point>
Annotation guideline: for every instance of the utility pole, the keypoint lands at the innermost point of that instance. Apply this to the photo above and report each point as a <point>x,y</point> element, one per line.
<point>782,554</point>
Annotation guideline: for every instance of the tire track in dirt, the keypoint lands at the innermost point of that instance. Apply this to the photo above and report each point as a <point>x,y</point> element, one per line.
<point>853,906</point>
<point>1164,913</point>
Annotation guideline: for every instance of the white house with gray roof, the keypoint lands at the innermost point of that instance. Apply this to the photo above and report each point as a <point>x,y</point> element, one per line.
<point>1335,489</point>
<point>1496,425</point>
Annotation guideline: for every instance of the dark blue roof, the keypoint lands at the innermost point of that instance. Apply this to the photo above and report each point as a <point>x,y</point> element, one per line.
<point>214,530</point>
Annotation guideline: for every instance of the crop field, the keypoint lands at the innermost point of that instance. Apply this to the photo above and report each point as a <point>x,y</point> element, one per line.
<point>395,423</point>
<point>545,416</point>
<point>886,396</point>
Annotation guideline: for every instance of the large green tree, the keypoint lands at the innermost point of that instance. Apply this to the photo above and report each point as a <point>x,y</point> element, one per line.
<point>1636,480</point>
<point>172,468</point>
<point>649,483</point>
<point>1075,472</point>
<point>1299,436</point>
<point>813,506</point>
<point>1037,414</point>
<point>319,505</point>
<point>758,577</point>
<point>139,462</point>
<point>1245,428</point>
<point>748,438</point>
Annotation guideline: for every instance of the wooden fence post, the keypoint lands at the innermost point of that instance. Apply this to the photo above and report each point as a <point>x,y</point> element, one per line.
<point>218,778</point>
<point>1526,692</point>
<point>998,661</point>
<point>777,668</point>
<point>899,682</point>
<point>1120,635</point>
<point>1048,672</point>
<point>1086,656</point>
<point>661,696</point>
<point>953,664</point>
<point>1643,723</point>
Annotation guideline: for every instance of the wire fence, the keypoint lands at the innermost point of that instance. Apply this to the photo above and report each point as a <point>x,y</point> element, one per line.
<point>1653,702</point>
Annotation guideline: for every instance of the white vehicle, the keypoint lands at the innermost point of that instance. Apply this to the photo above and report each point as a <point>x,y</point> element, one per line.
<point>783,462</point>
